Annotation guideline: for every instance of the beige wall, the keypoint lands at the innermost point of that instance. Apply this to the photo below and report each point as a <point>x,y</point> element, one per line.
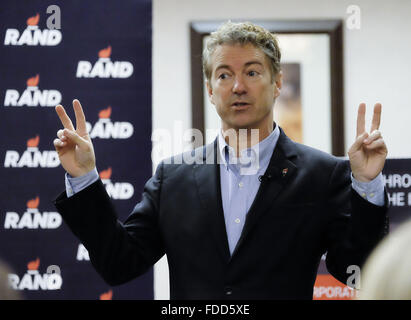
<point>377,63</point>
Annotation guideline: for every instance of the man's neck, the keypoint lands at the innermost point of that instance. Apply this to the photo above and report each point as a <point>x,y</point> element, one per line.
<point>243,138</point>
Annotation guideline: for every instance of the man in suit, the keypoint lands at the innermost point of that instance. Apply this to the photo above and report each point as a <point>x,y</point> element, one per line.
<point>247,218</point>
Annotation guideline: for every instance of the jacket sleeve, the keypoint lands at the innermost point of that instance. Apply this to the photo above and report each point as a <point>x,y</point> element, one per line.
<point>118,251</point>
<point>355,226</point>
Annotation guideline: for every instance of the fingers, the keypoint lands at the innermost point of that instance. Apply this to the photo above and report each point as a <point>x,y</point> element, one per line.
<point>58,144</point>
<point>358,143</point>
<point>370,142</point>
<point>375,141</point>
<point>376,118</point>
<point>80,118</point>
<point>61,141</point>
<point>64,118</point>
<point>377,144</point>
<point>361,120</point>
<point>77,139</point>
<point>376,134</point>
<point>60,134</point>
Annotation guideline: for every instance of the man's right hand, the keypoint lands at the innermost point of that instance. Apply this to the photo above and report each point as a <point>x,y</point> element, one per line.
<point>74,146</point>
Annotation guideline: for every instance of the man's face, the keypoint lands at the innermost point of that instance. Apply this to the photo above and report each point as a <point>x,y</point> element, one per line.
<point>241,86</point>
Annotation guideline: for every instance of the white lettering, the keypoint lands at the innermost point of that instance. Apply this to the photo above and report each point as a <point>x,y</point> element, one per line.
<point>11,37</point>
<point>26,282</point>
<point>11,98</point>
<point>83,69</point>
<point>107,129</point>
<point>33,220</point>
<point>82,253</point>
<point>11,159</point>
<point>54,37</point>
<point>25,38</point>
<point>11,220</point>
<point>31,159</point>
<point>397,180</point>
<point>396,199</point>
<point>13,281</point>
<point>126,69</point>
<point>98,70</point>
<point>120,190</point>
<point>30,98</point>
<point>104,69</point>
<point>32,280</point>
<point>40,282</point>
<point>33,37</point>
<point>54,281</point>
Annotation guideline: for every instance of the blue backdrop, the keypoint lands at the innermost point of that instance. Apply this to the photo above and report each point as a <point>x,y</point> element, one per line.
<point>101,56</point>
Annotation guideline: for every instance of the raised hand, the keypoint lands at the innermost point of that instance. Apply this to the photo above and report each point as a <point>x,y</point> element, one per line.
<point>368,153</point>
<point>74,146</point>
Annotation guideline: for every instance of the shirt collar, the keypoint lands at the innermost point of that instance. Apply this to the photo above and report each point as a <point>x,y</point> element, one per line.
<point>264,149</point>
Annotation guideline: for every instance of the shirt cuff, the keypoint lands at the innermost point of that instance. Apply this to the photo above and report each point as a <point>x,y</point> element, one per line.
<point>74,185</point>
<point>372,191</point>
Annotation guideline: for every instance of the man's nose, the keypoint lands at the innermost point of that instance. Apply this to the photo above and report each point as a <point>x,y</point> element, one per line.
<point>239,86</point>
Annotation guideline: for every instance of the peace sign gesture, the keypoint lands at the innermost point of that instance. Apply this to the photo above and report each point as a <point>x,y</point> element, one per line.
<point>74,146</point>
<point>368,153</point>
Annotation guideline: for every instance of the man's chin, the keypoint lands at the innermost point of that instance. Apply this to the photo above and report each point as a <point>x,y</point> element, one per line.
<point>243,124</point>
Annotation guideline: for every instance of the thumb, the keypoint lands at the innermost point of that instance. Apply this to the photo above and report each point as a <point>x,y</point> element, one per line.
<point>73,136</point>
<point>358,142</point>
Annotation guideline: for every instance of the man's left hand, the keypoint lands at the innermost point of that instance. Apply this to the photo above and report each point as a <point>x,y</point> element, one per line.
<point>368,153</point>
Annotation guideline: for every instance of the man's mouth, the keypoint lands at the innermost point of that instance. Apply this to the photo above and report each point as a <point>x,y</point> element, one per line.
<point>240,105</point>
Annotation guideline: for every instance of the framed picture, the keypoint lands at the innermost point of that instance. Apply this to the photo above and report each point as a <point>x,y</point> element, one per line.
<point>310,108</point>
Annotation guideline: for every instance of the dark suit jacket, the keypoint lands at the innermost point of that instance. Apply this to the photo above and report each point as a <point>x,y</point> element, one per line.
<point>295,218</point>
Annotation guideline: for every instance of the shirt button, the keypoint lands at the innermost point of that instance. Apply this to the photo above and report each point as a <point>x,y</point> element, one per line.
<point>241,184</point>
<point>371,195</point>
<point>364,195</point>
<point>237,220</point>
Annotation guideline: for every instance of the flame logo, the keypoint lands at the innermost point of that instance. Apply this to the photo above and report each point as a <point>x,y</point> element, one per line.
<point>33,203</point>
<point>33,21</point>
<point>105,174</point>
<point>105,53</point>
<point>106,295</point>
<point>33,81</point>
<point>33,142</point>
<point>105,113</point>
<point>33,265</point>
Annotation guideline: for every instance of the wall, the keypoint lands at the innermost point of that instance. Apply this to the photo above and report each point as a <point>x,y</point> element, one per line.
<point>376,64</point>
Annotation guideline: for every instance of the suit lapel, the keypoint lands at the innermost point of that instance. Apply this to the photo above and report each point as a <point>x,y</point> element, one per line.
<point>280,172</point>
<point>207,177</point>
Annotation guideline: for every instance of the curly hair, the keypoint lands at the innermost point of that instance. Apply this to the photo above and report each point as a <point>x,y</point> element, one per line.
<point>242,33</point>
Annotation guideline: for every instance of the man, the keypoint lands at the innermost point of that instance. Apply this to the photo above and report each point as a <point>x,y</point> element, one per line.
<point>230,232</point>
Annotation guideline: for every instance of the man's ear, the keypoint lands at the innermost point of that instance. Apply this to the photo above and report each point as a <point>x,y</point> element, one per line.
<point>278,83</point>
<point>210,91</point>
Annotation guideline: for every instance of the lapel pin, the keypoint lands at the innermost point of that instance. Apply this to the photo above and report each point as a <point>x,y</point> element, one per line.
<point>284,172</point>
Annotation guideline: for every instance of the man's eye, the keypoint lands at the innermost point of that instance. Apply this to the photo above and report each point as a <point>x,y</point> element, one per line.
<point>223,76</point>
<point>252,73</point>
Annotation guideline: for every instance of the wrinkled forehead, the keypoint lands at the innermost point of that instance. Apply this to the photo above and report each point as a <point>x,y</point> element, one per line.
<point>237,56</point>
